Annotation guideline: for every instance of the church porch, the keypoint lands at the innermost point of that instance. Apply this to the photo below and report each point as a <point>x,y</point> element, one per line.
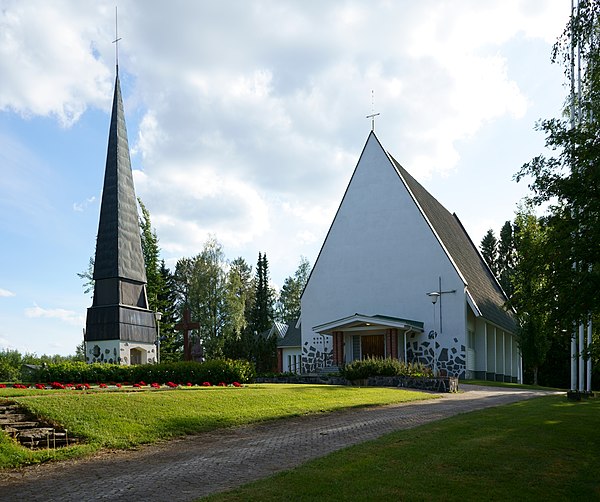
<point>361,336</point>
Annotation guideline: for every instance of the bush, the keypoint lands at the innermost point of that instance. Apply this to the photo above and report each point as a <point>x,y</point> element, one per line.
<point>375,366</point>
<point>8,373</point>
<point>214,371</point>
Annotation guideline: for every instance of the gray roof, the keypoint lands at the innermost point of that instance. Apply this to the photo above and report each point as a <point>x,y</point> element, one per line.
<point>118,245</point>
<point>293,335</point>
<point>484,289</point>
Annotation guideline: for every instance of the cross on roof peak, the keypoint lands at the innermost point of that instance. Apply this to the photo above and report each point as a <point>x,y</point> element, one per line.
<point>373,114</point>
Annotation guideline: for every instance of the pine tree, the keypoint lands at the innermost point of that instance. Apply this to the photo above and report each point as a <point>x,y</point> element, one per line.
<point>506,257</point>
<point>489,250</point>
<point>151,253</point>
<point>171,341</point>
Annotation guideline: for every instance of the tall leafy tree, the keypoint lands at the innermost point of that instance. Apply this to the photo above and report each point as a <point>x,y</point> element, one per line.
<point>239,296</point>
<point>568,182</point>
<point>288,305</point>
<point>489,250</point>
<point>530,278</point>
<point>207,296</point>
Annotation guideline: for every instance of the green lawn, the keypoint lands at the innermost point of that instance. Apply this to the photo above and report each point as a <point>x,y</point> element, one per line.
<point>543,449</point>
<point>124,419</point>
<point>489,383</point>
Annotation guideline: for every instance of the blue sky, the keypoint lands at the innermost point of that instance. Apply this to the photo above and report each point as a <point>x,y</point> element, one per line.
<point>246,120</point>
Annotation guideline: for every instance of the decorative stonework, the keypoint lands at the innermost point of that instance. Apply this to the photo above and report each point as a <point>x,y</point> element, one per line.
<point>451,360</point>
<point>315,357</point>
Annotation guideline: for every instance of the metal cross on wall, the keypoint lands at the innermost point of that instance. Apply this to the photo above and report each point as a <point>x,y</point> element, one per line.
<point>186,325</point>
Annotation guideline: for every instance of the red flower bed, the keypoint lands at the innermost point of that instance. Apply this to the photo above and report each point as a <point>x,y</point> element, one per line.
<point>40,386</point>
<point>222,384</point>
<point>20,386</point>
<point>57,385</point>
<point>172,385</point>
<point>236,384</point>
<point>155,385</point>
<point>103,386</point>
<point>207,384</point>
<point>2,386</point>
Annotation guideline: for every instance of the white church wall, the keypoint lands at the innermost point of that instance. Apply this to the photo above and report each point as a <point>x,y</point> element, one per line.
<point>118,352</point>
<point>381,257</point>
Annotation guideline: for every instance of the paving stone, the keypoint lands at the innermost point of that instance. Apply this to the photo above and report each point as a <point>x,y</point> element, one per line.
<point>188,468</point>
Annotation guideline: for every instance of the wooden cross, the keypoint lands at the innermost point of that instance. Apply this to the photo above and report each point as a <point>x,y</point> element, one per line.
<point>186,325</point>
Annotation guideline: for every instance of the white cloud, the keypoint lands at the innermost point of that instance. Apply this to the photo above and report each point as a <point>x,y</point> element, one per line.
<point>5,293</point>
<point>49,64</point>
<point>82,206</point>
<point>67,316</point>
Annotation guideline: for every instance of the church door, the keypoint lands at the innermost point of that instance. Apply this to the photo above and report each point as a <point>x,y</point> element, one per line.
<point>136,356</point>
<point>372,346</point>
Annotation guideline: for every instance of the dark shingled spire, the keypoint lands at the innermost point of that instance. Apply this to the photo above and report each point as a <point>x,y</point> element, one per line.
<point>118,246</point>
<point>120,307</point>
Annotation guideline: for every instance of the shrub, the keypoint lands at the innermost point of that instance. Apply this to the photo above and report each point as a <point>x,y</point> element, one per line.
<point>215,371</point>
<point>373,366</point>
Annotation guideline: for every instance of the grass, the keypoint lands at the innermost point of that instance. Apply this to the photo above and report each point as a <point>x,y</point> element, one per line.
<point>541,449</point>
<point>125,419</point>
<point>489,383</point>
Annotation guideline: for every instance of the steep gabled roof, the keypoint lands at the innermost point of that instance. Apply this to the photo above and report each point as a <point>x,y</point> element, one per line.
<point>118,245</point>
<point>483,288</point>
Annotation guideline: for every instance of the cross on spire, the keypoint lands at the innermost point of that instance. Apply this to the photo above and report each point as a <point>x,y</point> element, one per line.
<point>116,40</point>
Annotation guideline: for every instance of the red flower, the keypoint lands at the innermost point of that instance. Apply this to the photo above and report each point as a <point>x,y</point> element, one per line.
<point>40,386</point>
<point>20,386</point>
<point>136,385</point>
<point>103,386</point>
<point>155,385</point>
<point>189,384</point>
<point>236,384</point>
<point>2,386</point>
<point>57,385</point>
<point>206,384</point>
<point>118,385</point>
<point>172,385</point>
<point>142,383</point>
<point>222,384</point>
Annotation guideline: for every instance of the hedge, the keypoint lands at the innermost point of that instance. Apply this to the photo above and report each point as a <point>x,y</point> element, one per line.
<point>376,366</point>
<point>214,371</point>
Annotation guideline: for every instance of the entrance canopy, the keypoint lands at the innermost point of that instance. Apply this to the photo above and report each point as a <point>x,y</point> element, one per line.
<point>361,322</point>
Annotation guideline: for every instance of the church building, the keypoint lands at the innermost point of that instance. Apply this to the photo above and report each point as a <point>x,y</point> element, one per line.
<point>398,276</point>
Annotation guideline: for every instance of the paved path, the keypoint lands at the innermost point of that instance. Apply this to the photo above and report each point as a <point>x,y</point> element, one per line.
<point>195,466</point>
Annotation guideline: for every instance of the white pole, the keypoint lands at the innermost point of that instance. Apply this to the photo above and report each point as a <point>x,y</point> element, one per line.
<point>589,359</point>
<point>573,362</point>
<point>581,364</point>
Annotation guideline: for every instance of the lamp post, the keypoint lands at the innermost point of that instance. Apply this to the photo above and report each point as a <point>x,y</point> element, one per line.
<point>158,317</point>
<point>433,296</point>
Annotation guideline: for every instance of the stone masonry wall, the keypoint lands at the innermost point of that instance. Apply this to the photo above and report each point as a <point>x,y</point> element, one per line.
<point>451,360</point>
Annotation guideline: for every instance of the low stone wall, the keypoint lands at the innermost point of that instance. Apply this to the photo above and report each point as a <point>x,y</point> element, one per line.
<point>439,384</point>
